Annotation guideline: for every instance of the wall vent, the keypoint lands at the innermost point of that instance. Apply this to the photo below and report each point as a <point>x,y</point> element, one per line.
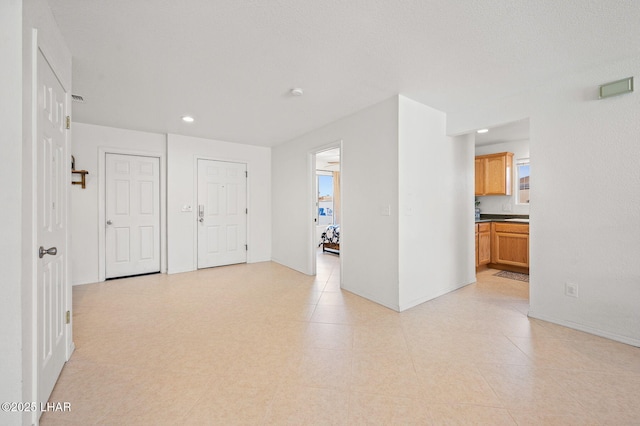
<point>77,98</point>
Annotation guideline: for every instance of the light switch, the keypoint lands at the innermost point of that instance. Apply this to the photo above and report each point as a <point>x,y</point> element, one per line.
<point>385,210</point>
<point>186,208</point>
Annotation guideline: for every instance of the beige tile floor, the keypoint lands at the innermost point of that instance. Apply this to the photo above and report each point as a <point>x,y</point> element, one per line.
<point>261,344</point>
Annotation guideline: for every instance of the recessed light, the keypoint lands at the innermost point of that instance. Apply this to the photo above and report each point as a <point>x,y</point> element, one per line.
<point>483,130</point>
<point>188,119</point>
<point>297,91</point>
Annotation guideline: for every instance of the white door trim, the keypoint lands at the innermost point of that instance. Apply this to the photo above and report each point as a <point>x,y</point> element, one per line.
<point>195,202</point>
<point>34,220</point>
<point>102,191</point>
<point>312,246</point>
<point>61,66</point>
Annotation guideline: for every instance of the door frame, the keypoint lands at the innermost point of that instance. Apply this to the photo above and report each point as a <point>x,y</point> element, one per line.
<point>195,203</point>
<point>102,204</point>
<point>60,63</point>
<point>313,246</point>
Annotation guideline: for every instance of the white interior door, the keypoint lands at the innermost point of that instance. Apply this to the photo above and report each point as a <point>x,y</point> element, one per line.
<point>132,212</point>
<point>53,180</point>
<point>222,213</point>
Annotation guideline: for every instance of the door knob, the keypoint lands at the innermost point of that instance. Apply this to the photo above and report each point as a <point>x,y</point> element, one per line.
<point>51,251</point>
<point>109,222</point>
<point>201,220</point>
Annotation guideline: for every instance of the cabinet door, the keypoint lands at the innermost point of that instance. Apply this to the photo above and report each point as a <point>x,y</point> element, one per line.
<point>493,174</point>
<point>480,175</point>
<point>498,172</point>
<point>510,249</point>
<point>476,227</point>
<point>483,248</point>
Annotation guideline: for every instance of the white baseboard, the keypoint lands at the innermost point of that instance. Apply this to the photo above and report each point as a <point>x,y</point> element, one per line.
<point>587,329</point>
<point>85,283</point>
<point>372,299</point>
<point>435,295</point>
<point>259,260</point>
<point>180,271</point>
<point>289,266</point>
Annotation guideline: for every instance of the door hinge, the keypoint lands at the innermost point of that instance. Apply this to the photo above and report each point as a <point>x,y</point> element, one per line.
<point>246,174</point>
<point>68,317</point>
<point>246,211</point>
<point>246,247</point>
<point>68,122</point>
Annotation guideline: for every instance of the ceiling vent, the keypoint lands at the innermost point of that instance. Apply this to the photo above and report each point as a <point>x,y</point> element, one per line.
<point>77,98</point>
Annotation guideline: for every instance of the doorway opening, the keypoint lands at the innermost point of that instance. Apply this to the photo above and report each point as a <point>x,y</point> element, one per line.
<point>327,210</point>
<point>502,195</point>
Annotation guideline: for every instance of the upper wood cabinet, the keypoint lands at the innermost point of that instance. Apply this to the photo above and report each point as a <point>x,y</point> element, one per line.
<point>493,173</point>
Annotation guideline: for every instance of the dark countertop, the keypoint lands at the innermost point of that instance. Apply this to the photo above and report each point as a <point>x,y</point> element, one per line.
<point>503,218</point>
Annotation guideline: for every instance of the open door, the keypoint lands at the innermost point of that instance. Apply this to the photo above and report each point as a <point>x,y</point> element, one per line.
<point>53,180</point>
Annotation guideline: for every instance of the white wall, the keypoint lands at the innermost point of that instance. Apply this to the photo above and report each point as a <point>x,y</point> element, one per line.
<point>584,199</point>
<point>181,190</point>
<point>11,324</point>
<point>436,235</point>
<point>369,184</point>
<point>495,204</point>
<point>88,143</point>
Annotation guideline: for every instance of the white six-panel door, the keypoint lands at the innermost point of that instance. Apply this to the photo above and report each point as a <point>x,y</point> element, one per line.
<point>132,212</point>
<point>53,180</point>
<point>221,213</point>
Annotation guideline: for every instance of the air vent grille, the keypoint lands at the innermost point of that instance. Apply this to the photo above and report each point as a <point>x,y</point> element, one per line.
<point>77,98</point>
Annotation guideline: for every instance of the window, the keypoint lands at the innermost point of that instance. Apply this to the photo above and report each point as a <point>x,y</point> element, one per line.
<point>522,179</point>
<point>325,199</point>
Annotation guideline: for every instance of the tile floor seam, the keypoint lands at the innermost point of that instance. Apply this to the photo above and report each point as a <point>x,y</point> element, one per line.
<point>515,422</point>
<point>531,360</point>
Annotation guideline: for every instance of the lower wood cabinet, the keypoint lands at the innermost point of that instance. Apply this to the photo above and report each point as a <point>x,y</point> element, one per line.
<point>503,245</point>
<point>510,246</point>
<point>483,243</point>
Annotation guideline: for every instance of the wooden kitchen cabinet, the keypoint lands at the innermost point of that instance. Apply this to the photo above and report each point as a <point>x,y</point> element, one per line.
<point>483,244</point>
<point>477,245</point>
<point>480,175</point>
<point>510,246</point>
<point>493,174</point>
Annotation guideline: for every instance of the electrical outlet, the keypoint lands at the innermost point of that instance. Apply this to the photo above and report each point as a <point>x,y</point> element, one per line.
<point>506,207</point>
<point>571,290</point>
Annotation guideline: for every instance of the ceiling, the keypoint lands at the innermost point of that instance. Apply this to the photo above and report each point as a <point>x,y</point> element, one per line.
<point>328,160</point>
<point>510,132</point>
<point>231,64</point>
